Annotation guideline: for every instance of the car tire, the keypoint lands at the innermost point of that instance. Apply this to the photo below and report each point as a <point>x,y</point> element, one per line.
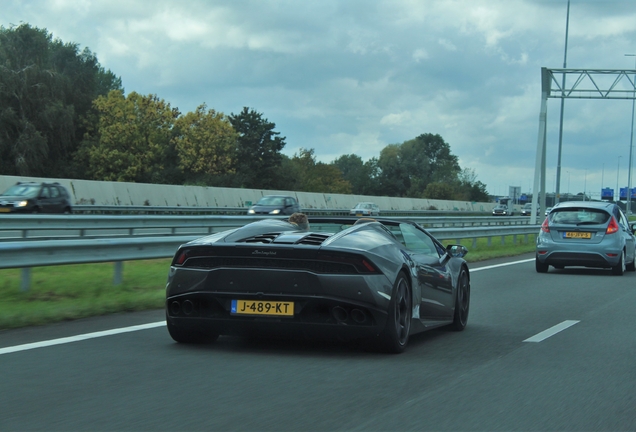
<point>540,267</point>
<point>395,336</point>
<point>462,302</point>
<point>619,268</point>
<point>182,335</point>
<point>632,265</point>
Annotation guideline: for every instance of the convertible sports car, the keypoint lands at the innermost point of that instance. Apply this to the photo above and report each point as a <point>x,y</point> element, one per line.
<point>380,280</point>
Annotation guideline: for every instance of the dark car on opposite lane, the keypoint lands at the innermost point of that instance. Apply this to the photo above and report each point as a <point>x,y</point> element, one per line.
<point>275,205</point>
<point>35,197</point>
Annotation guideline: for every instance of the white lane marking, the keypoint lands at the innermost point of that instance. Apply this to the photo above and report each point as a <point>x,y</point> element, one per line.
<point>81,337</point>
<point>500,265</point>
<point>551,331</point>
<point>77,338</point>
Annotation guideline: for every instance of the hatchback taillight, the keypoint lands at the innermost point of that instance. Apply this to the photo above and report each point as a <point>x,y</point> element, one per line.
<point>612,227</point>
<point>544,226</point>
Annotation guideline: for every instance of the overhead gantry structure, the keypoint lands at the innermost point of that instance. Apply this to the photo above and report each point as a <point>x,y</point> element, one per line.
<point>587,84</point>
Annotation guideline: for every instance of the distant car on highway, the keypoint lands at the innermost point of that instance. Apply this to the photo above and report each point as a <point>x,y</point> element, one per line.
<point>548,210</point>
<point>365,209</point>
<point>501,210</point>
<point>586,234</point>
<point>35,197</point>
<point>527,210</point>
<point>275,205</point>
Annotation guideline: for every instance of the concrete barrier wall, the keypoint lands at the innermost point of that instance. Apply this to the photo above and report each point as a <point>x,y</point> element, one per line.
<point>85,192</point>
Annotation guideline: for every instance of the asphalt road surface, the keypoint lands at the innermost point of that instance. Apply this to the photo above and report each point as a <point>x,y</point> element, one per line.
<point>541,352</point>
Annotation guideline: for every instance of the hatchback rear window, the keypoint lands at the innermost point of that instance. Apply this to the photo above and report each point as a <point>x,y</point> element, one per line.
<point>577,216</point>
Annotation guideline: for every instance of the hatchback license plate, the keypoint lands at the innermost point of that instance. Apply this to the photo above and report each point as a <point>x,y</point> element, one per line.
<point>260,307</point>
<point>583,235</point>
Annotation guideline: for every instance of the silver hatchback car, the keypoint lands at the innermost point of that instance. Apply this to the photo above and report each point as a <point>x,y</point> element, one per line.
<point>586,234</point>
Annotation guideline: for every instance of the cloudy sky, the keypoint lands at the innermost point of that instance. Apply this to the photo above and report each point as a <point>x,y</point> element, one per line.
<point>352,76</point>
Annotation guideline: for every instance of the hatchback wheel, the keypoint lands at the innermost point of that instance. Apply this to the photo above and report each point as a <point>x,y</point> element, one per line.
<point>540,267</point>
<point>632,265</point>
<point>619,268</point>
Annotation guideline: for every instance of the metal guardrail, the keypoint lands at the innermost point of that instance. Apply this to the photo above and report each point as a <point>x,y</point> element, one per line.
<point>239,211</point>
<point>13,227</point>
<point>79,240</point>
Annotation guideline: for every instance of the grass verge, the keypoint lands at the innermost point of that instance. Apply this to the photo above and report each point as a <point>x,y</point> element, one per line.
<point>59,293</point>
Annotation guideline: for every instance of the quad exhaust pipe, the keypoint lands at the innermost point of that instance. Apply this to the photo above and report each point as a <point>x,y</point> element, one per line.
<point>342,315</point>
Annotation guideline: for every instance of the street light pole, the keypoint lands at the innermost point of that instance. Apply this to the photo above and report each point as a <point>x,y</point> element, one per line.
<point>631,141</point>
<point>557,188</point>
<point>618,167</point>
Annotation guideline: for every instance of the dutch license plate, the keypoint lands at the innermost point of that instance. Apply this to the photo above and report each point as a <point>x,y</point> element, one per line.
<point>4,210</point>
<point>260,307</point>
<point>358,214</point>
<point>583,235</point>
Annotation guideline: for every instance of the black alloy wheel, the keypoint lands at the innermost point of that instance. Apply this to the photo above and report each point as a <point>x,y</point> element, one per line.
<point>462,302</point>
<point>398,326</point>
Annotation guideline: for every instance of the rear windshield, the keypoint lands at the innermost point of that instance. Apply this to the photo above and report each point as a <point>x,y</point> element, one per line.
<point>577,216</point>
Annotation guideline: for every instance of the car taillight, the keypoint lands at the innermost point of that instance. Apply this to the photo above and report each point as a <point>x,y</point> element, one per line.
<point>180,258</point>
<point>612,227</point>
<point>544,226</point>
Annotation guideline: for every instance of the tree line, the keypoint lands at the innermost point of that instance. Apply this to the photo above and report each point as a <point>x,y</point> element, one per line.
<point>63,115</point>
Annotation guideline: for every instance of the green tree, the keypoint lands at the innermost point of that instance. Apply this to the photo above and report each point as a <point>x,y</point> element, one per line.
<point>428,159</point>
<point>46,91</point>
<point>469,189</point>
<point>393,178</point>
<point>133,140</point>
<point>318,176</point>
<point>258,156</point>
<point>205,145</point>
<point>363,176</point>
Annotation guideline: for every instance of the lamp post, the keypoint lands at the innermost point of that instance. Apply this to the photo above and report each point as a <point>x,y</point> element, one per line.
<point>631,141</point>
<point>618,166</point>
<point>557,188</point>
<point>584,185</point>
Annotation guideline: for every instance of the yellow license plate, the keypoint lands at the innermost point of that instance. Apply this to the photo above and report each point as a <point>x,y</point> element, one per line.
<point>260,307</point>
<point>583,235</point>
<point>4,210</point>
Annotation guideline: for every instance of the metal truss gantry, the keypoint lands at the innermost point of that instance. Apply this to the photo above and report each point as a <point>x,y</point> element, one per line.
<point>587,84</point>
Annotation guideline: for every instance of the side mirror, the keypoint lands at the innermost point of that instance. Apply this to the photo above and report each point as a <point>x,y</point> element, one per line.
<point>457,250</point>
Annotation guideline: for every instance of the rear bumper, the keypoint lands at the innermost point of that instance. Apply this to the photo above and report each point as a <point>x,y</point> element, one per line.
<point>582,259</point>
<point>313,316</point>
